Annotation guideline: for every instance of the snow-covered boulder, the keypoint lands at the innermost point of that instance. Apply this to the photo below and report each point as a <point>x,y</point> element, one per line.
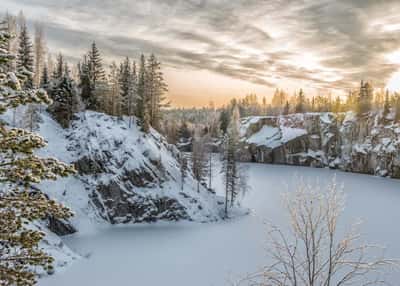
<point>369,144</point>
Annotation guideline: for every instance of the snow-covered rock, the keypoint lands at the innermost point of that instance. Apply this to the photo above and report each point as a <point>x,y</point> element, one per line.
<point>124,176</point>
<point>370,144</point>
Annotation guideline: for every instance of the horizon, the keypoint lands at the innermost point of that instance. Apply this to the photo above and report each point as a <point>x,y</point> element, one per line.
<point>218,50</point>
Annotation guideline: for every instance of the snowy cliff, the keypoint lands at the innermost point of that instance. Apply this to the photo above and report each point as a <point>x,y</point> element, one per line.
<point>368,144</point>
<point>124,175</point>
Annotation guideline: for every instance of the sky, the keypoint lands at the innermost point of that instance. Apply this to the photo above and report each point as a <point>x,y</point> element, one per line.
<point>220,49</point>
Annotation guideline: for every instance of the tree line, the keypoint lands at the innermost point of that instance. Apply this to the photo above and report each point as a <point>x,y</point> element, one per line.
<point>123,89</point>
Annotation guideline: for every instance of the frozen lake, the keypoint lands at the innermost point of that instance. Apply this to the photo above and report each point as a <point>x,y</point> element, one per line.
<point>213,254</point>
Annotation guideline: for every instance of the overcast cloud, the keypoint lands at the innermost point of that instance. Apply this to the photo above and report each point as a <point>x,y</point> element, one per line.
<point>325,43</point>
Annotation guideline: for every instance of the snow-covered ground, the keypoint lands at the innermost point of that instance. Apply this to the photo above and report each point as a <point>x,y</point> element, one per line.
<point>215,253</point>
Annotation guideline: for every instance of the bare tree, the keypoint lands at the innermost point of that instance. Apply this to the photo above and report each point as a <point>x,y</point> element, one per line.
<point>40,51</point>
<point>312,254</point>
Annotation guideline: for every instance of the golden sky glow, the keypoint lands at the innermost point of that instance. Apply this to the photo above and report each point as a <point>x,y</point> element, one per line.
<point>220,49</point>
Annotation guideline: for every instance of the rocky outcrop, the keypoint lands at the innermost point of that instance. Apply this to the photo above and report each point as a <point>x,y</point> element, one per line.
<point>368,144</point>
<point>132,176</point>
<point>60,227</point>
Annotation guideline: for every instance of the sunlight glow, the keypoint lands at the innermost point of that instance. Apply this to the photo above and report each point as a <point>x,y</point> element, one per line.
<point>394,57</point>
<point>393,84</point>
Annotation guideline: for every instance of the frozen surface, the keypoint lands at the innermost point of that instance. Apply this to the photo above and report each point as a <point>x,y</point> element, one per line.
<point>213,254</point>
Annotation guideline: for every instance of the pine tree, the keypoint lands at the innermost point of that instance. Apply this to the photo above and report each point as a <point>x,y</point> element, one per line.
<point>386,106</point>
<point>365,98</point>
<point>301,102</point>
<point>63,92</point>
<point>127,83</point>
<point>116,103</point>
<point>397,107</point>
<point>155,88</point>
<point>59,69</point>
<point>19,170</point>
<point>44,79</point>
<point>142,102</point>
<point>96,70</point>
<point>87,93</point>
<point>224,120</point>
<point>286,109</point>
<point>25,57</point>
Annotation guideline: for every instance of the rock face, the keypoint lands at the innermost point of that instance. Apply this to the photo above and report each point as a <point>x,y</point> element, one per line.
<point>132,176</point>
<point>369,144</point>
<point>60,227</point>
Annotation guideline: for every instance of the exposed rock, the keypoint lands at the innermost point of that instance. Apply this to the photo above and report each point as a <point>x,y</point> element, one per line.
<point>342,141</point>
<point>132,176</point>
<point>60,227</point>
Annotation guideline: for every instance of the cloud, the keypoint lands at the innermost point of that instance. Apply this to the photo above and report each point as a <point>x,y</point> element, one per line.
<point>320,43</point>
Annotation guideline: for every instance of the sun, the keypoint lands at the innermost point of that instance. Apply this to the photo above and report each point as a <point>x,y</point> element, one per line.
<point>393,84</point>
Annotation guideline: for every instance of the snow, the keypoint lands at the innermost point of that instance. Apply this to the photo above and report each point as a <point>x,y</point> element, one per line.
<point>267,136</point>
<point>217,253</point>
<point>273,137</point>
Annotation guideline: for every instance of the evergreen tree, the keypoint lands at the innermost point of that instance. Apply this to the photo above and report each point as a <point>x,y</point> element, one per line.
<point>63,92</point>
<point>301,102</point>
<point>286,109</point>
<point>386,106</point>
<point>224,120</point>
<point>397,107</point>
<point>142,101</point>
<point>20,169</point>
<point>127,82</point>
<point>87,93</point>
<point>155,88</point>
<point>116,103</point>
<point>44,79</point>
<point>59,69</point>
<point>365,98</point>
<point>25,57</point>
<point>95,65</point>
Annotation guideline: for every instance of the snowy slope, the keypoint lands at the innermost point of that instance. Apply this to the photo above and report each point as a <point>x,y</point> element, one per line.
<point>132,176</point>
<point>125,176</point>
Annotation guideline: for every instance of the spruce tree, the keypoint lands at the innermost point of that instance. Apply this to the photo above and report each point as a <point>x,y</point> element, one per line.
<point>386,106</point>
<point>59,69</point>
<point>126,86</point>
<point>19,170</point>
<point>155,89</point>
<point>301,102</point>
<point>25,57</point>
<point>365,98</point>
<point>44,79</point>
<point>87,93</point>
<point>96,70</point>
<point>63,92</point>
<point>286,109</point>
<point>142,102</point>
